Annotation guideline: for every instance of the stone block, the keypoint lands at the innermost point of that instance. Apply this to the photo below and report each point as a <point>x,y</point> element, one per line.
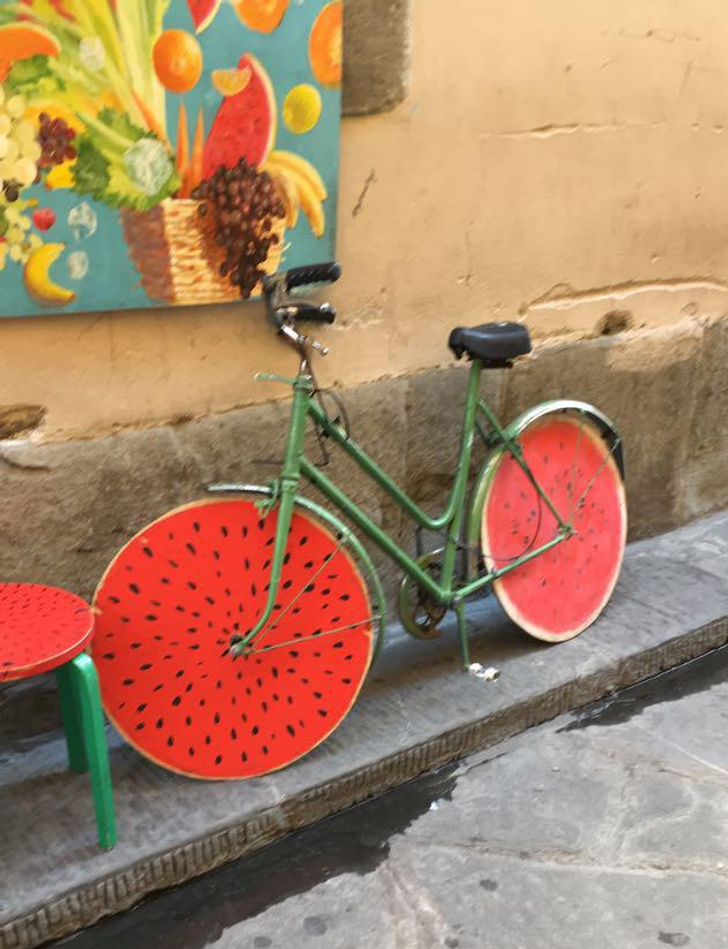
<point>376,55</point>
<point>703,477</point>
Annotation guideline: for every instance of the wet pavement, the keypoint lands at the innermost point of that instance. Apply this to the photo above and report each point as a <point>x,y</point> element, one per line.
<point>606,827</point>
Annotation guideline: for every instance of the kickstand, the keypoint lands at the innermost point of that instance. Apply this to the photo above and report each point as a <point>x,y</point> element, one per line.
<point>474,669</point>
<point>463,634</point>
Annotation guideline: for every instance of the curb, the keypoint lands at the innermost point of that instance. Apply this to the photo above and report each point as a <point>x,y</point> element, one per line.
<point>115,892</point>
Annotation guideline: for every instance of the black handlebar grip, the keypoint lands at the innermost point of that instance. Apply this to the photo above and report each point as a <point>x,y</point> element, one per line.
<point>316,314</point>
<point>315,273</point>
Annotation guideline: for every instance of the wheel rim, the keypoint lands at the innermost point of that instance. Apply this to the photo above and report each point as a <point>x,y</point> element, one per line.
<point>167,608</point>
<point>561,592</point>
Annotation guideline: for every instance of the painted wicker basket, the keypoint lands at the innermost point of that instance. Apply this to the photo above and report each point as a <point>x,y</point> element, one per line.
<point>174,250</point>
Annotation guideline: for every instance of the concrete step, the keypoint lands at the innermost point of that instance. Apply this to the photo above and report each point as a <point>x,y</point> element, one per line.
<point>418,711</point>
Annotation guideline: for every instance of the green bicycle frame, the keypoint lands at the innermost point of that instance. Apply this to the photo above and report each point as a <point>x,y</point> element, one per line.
<point>296,465</point>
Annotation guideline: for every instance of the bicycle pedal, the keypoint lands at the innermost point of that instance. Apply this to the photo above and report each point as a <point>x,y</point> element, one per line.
<point>478,671</point>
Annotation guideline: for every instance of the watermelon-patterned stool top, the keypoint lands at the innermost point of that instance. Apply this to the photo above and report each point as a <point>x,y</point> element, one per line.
<point>41,628</point>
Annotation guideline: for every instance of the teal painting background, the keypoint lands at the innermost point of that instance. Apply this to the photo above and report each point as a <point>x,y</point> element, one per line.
<point>112,281</point>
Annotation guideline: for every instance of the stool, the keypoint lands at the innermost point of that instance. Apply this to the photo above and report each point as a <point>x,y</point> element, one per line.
<point>44,628</point>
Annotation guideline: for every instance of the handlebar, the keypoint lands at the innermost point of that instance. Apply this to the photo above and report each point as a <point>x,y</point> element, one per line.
<point>315,273</point>
<point>286,309</point>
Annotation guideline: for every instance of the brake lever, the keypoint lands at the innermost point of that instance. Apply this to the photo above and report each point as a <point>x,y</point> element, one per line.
<point>319,347</point>
<point>287,330</point>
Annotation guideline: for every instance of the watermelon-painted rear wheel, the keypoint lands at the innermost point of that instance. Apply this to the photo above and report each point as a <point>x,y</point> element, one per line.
<point>562,591</point>
<point>168,607</point>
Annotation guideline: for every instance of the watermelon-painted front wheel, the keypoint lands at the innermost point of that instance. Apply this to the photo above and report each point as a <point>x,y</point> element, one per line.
<point>559,593</point>
<point>169,606</point>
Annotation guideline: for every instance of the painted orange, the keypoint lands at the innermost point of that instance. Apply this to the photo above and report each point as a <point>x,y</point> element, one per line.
<point>325,45</point>
<point>23,40</point>
<point>177,60</point>
<point>261,15</point>
<point>229,82</point>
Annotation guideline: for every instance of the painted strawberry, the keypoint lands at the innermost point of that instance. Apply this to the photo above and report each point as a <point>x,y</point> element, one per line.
<point>44,218</point>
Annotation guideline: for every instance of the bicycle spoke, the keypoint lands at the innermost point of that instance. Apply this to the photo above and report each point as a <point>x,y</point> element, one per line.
<point>374,618</point>
<point>291,603</point>
<point>594,477</point>
<point>570,485</point>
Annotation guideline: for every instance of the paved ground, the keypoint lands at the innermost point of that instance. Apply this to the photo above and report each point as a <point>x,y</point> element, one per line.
<point>605,829</point>
<point>418,711</point>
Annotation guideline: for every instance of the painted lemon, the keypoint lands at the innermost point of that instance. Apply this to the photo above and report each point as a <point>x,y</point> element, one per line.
<point>37,279</point>
<point>302,108</point>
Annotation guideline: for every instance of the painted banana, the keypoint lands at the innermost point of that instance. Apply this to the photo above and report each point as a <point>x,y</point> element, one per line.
<point>38,282</point>
<point>289,194</point>
<point>303,168</point>
<point>301,186</point>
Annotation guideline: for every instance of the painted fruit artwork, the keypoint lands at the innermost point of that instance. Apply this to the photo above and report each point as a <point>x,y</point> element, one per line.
<point>158,152</point>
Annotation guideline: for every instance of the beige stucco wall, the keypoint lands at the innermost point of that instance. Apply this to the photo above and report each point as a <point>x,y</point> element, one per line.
<point>554,162</point>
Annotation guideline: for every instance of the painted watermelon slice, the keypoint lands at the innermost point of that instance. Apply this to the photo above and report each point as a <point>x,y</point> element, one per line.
<point>560,593</point>
<point>245,124</point>
<point>167,609</point>
<point>203,12</point>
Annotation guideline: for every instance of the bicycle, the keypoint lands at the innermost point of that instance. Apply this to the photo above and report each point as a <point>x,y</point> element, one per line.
<point>234,633</point>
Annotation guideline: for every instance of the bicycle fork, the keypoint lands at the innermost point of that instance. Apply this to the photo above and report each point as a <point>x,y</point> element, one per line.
<point>284,498</point>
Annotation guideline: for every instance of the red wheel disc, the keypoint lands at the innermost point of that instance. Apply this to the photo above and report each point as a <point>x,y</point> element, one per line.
<point>41,628</point>
<point>168,607</point>
<point>561,592</point>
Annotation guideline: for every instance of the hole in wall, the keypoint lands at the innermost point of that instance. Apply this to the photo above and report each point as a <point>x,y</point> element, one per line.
<point>17,420</point>
<point>615,322</point>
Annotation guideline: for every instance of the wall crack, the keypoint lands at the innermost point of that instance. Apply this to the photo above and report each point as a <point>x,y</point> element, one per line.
<point>563,296</point>
<point>571,128</point>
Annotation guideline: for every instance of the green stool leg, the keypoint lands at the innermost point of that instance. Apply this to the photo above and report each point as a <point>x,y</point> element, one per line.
<point>88,708</point>
<point>71,722</point>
